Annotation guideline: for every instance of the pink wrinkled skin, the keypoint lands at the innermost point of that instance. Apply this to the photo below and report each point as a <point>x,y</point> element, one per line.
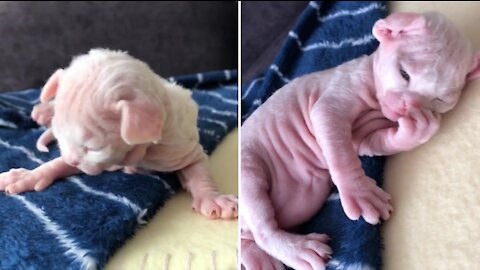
<point>110,111</point>
<point>382,104</point>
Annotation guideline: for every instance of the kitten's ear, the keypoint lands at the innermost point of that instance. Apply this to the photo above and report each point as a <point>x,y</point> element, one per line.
<point>397,25</point>
<point>49,91</point>
<point>475,69</point>
<point>141,121</point>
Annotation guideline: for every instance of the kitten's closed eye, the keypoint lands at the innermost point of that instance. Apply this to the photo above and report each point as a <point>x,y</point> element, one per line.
<point>404,74</point>
<point>93,144</point>
<point>439,104</point>
<point>438,100</point>
<point>92,149</point>
<point>87,147</point>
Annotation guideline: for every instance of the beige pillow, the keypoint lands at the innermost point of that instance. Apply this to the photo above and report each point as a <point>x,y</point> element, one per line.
<point>436,187</point>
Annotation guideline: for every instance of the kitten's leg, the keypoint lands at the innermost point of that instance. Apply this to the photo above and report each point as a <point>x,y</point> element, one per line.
<point>42,113</point>
<point>21,180</point>
<point>359,194</point>
<point>196,179</point>
<point>258,213</point>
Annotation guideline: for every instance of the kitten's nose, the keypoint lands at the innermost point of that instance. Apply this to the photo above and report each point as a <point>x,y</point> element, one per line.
<point>403,102</point>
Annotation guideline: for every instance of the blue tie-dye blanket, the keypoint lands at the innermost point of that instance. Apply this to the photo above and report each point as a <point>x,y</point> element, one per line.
<point>80,222</point>
<point>327,34</point>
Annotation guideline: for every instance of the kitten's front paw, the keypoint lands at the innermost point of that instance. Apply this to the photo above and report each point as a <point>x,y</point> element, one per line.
<point>364,198</point>
<point>217,206</point>
<point>42,113</point>
<point>21,180</point>
<point>415,129</point>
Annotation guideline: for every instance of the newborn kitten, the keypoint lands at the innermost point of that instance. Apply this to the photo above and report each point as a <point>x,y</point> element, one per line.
<point>111,112</point>
<point>380,104</point>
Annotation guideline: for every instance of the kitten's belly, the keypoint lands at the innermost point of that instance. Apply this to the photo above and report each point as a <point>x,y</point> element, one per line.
<point>299,177</point>
<point>297,200</point>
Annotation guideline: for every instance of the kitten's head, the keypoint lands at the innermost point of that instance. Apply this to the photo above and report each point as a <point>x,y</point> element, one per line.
<point>106,103</point>
<point>423,62</point>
